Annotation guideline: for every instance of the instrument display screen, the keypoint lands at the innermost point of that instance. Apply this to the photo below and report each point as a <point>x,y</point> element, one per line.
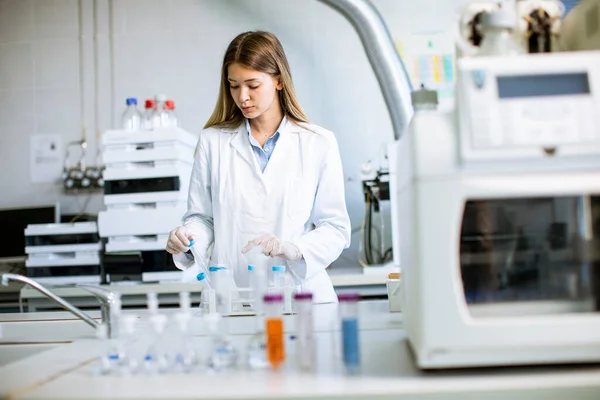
<point>522,86</point>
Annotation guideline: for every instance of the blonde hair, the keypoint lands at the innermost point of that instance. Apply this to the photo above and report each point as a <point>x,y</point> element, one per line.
<point>258,51</point>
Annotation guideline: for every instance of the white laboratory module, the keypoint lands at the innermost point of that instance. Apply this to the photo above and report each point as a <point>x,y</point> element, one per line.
<point>499,206</point>
<point>146,186</point>
<point>67,253</point>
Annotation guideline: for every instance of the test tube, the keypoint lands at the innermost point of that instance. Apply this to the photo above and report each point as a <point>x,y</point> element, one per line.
<point>208,301</point>
<point>252,283</point>
<point>278,277</point>
<point>221,285</point>
<point>274,329</point>
<point>305,342</point>
<point>349,319</point>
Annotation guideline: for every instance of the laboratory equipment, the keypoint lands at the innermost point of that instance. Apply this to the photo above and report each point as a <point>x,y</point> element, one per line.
<point>305,340</point>
<point>106,355</point>
<point>14,221</point>
<point>199,261</point>
<point>500,206</point>
<point>348,308</point>
<point>147,116</point>
<point>185,355</point>
<point>146,185</point>
<point>156,358</point>
<point>173,119</point>
<point>221,282</point>
<point>540,22</point>
<point>257,345</point>
<point>498,34</point>
<point>160,115</point>
<point>131,118</point>
<point>535,25</point>
<point>80,176</point>
<point>208,301</point>
<point>274,329</point>
<point>127,362</point>
<point>278,276</point>
<point>577,30</point>
<point>259,271</point>
<point>111,360</point>
<point>223,355</point>
<point>394,291</point>
<point>66,253</point>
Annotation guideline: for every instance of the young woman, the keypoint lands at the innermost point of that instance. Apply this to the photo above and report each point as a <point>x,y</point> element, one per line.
<point>264,177</point>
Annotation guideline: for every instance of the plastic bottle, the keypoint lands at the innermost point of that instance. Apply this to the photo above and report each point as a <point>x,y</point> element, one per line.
<point>160,116</point>
<point>173,119</point>
<point>108,355</point>
<point>115,352</point>
<point>156,359</point>
<point>431,131</point>
<point>131,118</point>
<point>128,363</point>
<point>305,341</point>
<point>185,356</point>
<point>348,308</point>
<point>279,282</point>
<point>257,346</point>
<point>223,355</point>
<point>274,329</point>
<point>147,123</point>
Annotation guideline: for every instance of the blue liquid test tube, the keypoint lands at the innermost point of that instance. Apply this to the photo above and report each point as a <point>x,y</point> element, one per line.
<point>349,321</point>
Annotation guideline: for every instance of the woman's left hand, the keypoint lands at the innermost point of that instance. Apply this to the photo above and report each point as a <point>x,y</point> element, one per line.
<point>274,247</point>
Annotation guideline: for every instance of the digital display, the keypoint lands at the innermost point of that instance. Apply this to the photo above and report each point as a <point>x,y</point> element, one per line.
<point>519,86</point>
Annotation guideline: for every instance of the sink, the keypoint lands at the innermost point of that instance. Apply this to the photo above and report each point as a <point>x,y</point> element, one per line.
<point>10,353</point>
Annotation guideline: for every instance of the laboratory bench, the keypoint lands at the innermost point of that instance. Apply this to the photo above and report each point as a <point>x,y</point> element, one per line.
<point>369,285</point>
<point>67,367</point>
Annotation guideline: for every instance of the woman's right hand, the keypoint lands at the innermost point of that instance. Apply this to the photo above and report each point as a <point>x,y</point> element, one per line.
<point>179,240</point>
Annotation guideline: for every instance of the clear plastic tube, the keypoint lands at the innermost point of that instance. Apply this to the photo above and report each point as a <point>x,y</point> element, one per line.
<point>128,363</point>
<point>279,282</point>
<point>223,355</point>
<point>348,307</point>
<point>221,284</point>
<point>207,297</point>
<point>274,329</point>
<point>156,359</point>
<point>257,346</point>
<point>185,356</point>
<point>305,341</point>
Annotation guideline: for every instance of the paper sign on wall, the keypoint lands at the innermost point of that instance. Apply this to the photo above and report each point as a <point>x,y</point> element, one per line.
<point>45,158</point>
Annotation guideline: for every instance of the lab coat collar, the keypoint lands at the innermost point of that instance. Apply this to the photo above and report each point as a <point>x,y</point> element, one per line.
<point>242,145</point>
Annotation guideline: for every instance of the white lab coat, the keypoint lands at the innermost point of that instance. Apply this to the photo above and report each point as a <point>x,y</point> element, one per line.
<point>231,202</point>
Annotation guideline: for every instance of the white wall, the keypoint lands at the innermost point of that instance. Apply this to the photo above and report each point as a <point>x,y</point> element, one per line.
<point>175,47</point>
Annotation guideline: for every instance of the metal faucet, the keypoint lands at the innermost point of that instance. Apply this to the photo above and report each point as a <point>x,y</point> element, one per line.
<point>108,300</point>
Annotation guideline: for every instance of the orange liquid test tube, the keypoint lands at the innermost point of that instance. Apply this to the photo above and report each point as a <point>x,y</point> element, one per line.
<point>274,329</point>
<point>275,344</point>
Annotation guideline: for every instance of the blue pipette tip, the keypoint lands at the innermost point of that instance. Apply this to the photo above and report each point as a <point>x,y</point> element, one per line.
<point>201,276</point>
<point>191,243</point>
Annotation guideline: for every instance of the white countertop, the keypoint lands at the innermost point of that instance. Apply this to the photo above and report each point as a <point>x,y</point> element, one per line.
<point>388,371</point>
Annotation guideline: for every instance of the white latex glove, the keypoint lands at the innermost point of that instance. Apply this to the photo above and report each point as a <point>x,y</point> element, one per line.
<point>179,240</point>
<point>274,247</point>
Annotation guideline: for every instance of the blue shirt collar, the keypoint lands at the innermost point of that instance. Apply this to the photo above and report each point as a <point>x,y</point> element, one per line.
<point>254,142</point>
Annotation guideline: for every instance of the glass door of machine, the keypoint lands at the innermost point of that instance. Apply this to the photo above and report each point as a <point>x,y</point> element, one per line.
<point>531,256</point>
